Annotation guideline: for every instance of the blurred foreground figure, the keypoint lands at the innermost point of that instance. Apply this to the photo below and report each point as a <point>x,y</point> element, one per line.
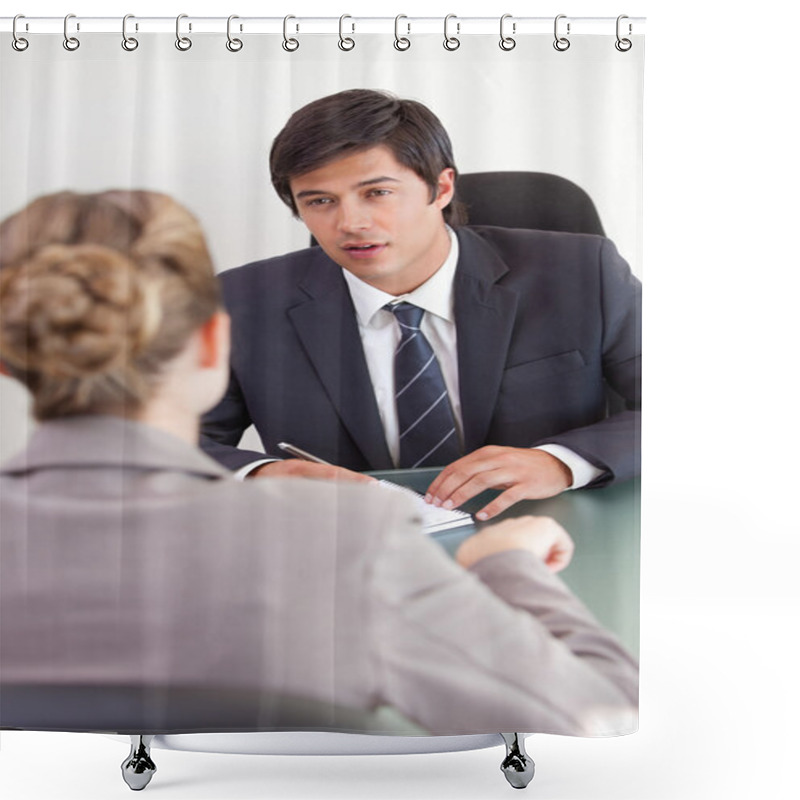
<point>131,558</point>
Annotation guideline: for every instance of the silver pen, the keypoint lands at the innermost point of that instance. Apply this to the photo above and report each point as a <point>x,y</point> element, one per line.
<point>306,456</point>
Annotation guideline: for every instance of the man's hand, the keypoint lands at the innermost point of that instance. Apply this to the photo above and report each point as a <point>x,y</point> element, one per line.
<point>298,468</point>
<point>542,536</point>
<point>524,474</point>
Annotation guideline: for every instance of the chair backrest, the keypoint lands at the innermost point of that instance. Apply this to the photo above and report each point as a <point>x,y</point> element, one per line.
<point>170,709</point>
<point>527,200</point>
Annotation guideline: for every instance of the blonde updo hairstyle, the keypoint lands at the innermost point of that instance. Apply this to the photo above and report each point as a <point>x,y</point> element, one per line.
<point>98,292</point>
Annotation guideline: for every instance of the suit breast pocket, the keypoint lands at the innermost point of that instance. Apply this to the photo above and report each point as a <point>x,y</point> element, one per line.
<point>545,386</point>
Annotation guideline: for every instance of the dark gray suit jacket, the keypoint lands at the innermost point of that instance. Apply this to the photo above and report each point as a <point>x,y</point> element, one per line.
<point>128,557</point>
<point>545,321</point>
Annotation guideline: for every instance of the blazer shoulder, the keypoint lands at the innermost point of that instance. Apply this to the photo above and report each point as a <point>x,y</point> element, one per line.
<point>513,240</point>
<point>273,265</point>
<point>275,277</point>
<point>514,254</point>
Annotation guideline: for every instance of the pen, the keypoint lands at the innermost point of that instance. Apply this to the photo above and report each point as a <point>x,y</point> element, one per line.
<point>306,456</point>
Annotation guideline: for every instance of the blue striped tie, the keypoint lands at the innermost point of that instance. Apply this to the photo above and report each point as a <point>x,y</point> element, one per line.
<point>427,428</point>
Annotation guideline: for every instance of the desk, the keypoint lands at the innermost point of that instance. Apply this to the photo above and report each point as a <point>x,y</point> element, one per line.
<point>604,523</point>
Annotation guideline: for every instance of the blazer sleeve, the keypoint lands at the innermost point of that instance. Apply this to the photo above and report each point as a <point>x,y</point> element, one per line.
<point>222,428</point>
<point>504,647</point>
<point>614,443</point>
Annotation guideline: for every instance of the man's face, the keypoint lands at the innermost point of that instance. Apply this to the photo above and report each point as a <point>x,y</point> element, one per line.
<point>374,218</point>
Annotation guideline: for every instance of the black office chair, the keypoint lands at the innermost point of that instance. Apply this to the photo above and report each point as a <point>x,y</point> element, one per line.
<point>527,200</point>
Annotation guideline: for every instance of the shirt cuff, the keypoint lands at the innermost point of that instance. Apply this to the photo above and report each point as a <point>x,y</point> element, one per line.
<point>583,472</point>
<point>244,471</point>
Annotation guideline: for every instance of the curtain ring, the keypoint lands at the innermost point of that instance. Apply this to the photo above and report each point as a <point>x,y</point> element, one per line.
<point>234,45</point>
<point>18,42</point>
<point>182,42</point>
<point>561,43</point>
<point>401,42</point>
<point>129,43</point>
<point>345,42</point>
<point>289,44</point>
<point>507,42</point>
<point>623,45</point>
<point>70,42</point>
<point>451,42</point>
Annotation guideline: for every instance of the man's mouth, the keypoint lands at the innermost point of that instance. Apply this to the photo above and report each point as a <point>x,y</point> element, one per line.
<point>359,249</point>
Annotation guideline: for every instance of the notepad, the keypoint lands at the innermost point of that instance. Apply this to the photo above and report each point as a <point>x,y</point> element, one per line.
<point>434,518</point>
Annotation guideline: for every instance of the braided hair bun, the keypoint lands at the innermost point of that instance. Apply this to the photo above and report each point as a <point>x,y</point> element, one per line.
<point>89,321</point>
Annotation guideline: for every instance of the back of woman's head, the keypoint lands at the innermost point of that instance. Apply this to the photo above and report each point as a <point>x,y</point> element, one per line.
<point>98,292</point>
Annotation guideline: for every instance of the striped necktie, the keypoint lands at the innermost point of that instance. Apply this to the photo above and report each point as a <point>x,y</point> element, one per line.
<point>426,425</point>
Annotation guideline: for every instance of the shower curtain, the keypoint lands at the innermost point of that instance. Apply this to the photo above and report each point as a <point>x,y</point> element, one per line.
<point>192,112</point>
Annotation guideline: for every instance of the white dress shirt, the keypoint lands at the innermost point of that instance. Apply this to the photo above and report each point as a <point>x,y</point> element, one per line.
<point>380,335</point>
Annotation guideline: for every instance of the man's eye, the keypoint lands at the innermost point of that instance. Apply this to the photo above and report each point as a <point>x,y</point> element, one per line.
<point>379,192</point>
<point>319,201</point>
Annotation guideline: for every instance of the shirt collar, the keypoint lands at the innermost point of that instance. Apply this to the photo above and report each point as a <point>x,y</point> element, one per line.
<point>435,295</point>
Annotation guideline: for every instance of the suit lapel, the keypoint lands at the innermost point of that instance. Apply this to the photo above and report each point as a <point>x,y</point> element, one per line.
<point>327,328</point>
<point>485,313</point>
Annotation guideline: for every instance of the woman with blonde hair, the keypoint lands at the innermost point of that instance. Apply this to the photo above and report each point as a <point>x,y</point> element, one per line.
<point>129,557</point>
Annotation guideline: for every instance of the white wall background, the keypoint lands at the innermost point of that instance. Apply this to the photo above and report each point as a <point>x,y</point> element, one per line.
<point>720,599</point>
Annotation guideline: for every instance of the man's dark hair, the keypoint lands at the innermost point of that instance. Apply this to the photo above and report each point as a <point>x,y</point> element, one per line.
<point>345,123</point>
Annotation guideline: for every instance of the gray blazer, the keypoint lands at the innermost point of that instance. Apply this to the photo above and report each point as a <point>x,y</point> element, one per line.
<point>128,556</point>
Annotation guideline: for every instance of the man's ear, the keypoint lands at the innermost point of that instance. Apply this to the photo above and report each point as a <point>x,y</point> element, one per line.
<point>445,187</point>
<point>215,338</point>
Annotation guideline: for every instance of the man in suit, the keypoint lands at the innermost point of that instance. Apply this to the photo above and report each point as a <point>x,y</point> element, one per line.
<point>520,335</point>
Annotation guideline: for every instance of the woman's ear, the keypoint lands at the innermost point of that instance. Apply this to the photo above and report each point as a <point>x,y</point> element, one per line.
<point>215,341</point>
<point>4,370</point>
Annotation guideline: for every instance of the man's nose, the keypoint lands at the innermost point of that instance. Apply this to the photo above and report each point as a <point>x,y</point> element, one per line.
<point>353,217</point>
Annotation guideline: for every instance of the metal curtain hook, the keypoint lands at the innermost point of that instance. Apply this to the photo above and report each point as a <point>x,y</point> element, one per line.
<point>561,43</point>
<point>182,42</point>
<point>401,42</point>
<point>289,44</point>
<point>70,42</point>
<point>451,42</point>
<point>234,45</point>
<point>507,42</point>
<point>345,42</point>
<point>623,45</point>
<point>18,42</point>
<point>129,43</point>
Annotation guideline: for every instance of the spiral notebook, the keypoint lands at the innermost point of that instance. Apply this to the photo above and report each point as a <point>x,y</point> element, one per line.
<point>434,518</point>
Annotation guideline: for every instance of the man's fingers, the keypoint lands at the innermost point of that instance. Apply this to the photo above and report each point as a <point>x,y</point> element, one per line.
<point>478,483</point>
<point>470,470</point>
<point>500,503</point>
<point>457,473</point>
